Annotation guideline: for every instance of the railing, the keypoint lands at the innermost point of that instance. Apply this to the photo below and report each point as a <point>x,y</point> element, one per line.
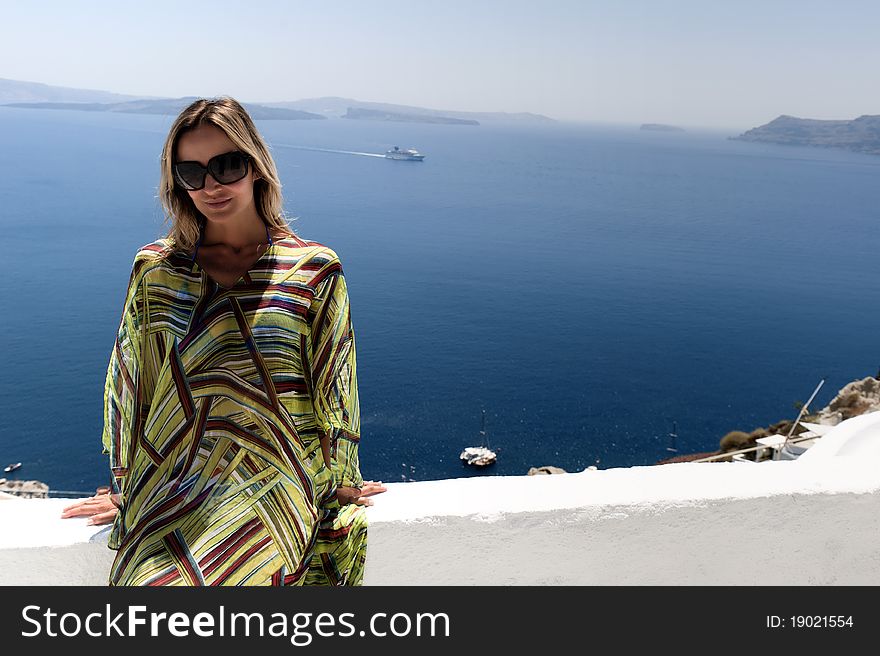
<point>788,438</point>
<point>728,454</point>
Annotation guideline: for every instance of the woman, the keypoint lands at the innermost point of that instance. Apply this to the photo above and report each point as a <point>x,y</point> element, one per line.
<point>231,412</point>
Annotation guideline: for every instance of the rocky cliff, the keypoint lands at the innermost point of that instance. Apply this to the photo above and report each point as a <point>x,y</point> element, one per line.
<point>23,489</point>
<point>861,134</point>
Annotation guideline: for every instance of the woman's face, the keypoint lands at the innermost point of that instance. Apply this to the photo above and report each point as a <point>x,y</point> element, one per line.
<point>220,203</point>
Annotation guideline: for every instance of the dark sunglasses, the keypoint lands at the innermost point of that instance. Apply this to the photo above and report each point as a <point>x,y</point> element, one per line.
<point>225,169</point>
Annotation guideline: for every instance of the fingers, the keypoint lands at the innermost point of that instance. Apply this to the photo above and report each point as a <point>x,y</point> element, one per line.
<point>92,506</point>
<point>70,508</point>
<point>370,488</point>
<point>349,495</point>
<point>102,518</point>
<point>79,508</point>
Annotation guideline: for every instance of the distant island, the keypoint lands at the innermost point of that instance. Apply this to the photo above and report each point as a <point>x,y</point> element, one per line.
<point>860,135</point>
<point>35,95</point>
<point>167,106</point>
<point>361,114</point>
<point>660,127</point>
<point>17,91</point>
<point>336,107</point>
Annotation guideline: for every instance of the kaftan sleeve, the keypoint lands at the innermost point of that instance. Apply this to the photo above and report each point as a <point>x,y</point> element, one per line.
<point>122,397</point>
<point>334,375</point>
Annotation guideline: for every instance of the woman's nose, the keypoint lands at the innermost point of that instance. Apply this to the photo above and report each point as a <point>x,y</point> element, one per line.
<point>210,183</point>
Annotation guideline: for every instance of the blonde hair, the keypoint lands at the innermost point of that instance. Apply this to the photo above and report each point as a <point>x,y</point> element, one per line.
<point>228,115</point>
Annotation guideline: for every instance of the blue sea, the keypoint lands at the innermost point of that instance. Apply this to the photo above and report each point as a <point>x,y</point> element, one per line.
<point>590,288</point>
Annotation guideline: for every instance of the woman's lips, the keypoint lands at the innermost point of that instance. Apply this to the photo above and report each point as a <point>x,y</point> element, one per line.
<point>217,203</point>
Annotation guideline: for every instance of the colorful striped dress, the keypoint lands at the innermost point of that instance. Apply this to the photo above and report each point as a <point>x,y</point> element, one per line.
<point>213,406</point>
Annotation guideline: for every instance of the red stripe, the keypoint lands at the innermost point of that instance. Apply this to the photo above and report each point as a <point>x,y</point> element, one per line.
<point>290,579</point>
<point>173,575</point>
<point>179,378</point>
<point>179,550</point>
<point>330,534</point>
<point>241,559</point>
<point>197,433</point>
<point>212,560</point>
<point>145,523</point>
<point>291,386</point>
<point>282,417</point>
<point>336,267</point>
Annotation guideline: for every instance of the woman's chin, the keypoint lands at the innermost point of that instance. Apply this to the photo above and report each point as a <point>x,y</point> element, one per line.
<point>218,216</point>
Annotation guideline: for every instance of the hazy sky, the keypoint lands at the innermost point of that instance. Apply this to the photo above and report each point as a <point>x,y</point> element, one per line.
<point>731,64</point>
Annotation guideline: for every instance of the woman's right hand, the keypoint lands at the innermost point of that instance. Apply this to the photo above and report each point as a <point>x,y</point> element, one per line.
<point>100,509</point>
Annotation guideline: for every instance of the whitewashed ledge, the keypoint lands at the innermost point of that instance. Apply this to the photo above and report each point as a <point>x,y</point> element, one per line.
<point>811,521</point>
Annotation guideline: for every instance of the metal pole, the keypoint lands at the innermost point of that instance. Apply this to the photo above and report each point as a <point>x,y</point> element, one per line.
<point>801,413</point>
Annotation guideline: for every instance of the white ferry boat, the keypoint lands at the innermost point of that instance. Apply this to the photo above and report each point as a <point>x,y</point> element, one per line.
<point>406,154</point>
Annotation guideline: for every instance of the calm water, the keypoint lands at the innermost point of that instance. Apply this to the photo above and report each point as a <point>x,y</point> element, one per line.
<point>586,286</point>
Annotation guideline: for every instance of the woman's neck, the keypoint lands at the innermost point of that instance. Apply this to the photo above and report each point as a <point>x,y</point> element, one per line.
<point>237,234</point>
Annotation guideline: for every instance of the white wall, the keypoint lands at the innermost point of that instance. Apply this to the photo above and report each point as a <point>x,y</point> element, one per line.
<point>791,522</point>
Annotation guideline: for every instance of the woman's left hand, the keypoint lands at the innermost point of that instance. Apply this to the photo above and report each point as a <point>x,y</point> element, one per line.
<point>346,495</point>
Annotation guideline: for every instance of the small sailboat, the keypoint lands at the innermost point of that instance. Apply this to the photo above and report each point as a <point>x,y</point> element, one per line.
<point>672,436</point>
<point>479,456</point>
<point>12,467</point>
